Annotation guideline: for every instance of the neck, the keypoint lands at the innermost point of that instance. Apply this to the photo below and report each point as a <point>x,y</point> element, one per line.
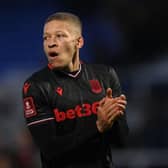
<point>74,65</point>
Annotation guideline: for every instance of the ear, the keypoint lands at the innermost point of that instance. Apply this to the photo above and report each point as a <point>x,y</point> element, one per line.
<point>80,42</point>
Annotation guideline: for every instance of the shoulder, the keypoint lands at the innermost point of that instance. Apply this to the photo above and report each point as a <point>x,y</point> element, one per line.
<point>100,68</point>
<point>38,76</point>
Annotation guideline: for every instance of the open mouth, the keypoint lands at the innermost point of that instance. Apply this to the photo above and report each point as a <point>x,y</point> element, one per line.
<point>53,54</point>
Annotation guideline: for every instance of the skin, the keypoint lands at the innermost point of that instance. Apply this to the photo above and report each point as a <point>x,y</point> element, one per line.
<point>109,110</point>
<point>65,39</point>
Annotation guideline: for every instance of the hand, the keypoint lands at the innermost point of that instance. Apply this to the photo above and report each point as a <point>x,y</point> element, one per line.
<point>109,110</point>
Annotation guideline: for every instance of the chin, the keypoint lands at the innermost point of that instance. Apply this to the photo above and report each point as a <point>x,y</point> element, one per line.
<point>57,65</point>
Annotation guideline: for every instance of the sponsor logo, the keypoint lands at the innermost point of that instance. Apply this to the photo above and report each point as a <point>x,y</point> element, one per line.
<point>79,111</point>
<point>29,107</point>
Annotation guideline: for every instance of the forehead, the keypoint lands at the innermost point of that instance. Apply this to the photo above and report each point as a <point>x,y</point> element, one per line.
<point>56,25</point>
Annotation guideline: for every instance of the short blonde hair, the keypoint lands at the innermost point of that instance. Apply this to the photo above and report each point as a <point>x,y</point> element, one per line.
<point>66,16</point>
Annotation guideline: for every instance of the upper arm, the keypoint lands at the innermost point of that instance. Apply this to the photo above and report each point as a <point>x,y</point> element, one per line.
<point>36,108</point>
<point>114,82</point>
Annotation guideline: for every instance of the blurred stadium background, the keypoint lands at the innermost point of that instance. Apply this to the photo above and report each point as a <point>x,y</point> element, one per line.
<point>131,35</point>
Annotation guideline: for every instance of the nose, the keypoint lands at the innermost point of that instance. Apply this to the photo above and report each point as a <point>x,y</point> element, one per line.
<point>52,45</point>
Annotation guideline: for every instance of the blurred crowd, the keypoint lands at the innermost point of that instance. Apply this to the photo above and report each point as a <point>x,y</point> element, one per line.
<point>130,35</point>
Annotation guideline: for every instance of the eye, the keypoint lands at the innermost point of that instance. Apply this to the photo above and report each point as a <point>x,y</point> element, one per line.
<point>45,37</point>
<point>60,35</point>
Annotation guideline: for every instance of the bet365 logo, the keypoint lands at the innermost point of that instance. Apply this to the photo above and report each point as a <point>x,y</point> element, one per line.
<point>83,110</point>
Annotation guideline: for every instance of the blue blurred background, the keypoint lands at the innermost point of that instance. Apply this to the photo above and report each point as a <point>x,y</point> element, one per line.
<point>130,35</point>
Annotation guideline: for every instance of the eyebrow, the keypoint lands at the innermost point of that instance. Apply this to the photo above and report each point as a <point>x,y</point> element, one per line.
<point>46,33</point>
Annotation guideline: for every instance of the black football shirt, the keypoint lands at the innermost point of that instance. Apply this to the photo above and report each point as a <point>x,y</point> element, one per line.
<point>60,109</point>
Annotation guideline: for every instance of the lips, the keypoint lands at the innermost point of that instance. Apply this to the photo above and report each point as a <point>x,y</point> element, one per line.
<point>53,54</point>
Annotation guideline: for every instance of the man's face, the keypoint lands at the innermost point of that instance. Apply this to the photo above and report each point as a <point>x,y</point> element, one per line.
<point>61,43</point>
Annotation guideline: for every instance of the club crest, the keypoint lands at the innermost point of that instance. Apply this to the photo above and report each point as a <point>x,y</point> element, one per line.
<point>95,86</point>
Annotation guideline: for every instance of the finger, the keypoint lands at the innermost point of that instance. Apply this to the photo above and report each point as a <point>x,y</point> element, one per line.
<point>115,116</point>
<point>109,93</point>
<point>122,104</point>
<point>112,111</point>
<point>101,102</point>
<point>120,101</point>
<point>109,105</point>
<point>113,108</point>
<point>123,97</point>
<point>121,107</point>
